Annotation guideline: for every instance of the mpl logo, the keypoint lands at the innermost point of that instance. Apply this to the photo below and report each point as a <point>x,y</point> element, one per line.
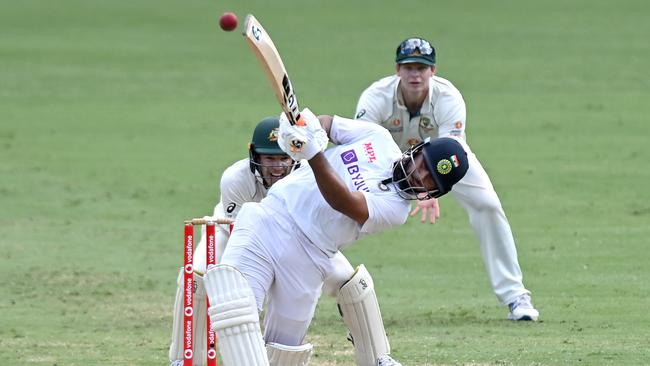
<point>370,152</point>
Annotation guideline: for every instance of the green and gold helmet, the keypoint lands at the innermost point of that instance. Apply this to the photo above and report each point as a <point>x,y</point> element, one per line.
<point>265,142</point>
<point>265,137</point>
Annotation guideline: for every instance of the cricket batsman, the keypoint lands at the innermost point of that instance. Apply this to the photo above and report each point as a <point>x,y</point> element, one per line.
<point>248,180</point>
<point>281,248</point>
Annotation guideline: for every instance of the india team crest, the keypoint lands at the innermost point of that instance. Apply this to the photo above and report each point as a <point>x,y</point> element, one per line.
<point>444,166</point>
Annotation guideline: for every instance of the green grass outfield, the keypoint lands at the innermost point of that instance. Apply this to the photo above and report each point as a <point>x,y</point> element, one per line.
<point>117,118</point>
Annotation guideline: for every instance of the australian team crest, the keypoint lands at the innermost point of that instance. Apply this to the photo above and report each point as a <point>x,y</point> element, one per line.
<point>425,124</point>
<point>273,136</point>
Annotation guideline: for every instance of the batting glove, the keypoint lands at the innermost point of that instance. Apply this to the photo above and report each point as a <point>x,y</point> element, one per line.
<point>302,142</point>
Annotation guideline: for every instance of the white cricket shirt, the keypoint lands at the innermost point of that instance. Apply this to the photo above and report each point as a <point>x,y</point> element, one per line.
<point>363,156</point>
<point>442,114</point>
<point>238,186</point>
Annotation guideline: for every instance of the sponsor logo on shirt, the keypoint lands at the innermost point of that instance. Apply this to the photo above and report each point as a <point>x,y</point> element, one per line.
<point>458,129</point>
<point>349,158</point>
<point>360,114</point>
<point>414,141</point>
<point>370,152</point>
<point>393,126</point>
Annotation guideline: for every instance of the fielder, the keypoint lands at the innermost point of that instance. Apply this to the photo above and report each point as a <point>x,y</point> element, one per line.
<point>248,180</point>
<point>281,248</point>
<point>415,104</point>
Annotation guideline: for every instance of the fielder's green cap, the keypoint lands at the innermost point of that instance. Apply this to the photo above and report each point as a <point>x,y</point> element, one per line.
<point>415,50</point>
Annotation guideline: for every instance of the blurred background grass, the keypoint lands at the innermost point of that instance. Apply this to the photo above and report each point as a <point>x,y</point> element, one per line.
<point>117,118</point>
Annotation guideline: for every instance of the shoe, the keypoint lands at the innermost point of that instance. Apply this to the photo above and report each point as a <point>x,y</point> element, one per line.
<point>176,363</point>
<point>386,360</point>
<point>522,309</point>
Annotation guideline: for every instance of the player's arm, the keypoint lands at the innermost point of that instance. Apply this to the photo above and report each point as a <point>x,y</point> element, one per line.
<point>235,189</point>
<point>315,135</point>
<point>336,193</point>
<point>326,123</point>
<point>369,107</point>
<point>333,189</point>
<point>450,114</point>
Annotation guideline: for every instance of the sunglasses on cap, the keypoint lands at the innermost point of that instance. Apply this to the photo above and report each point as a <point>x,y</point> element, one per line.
<point>415,50</point>
<point>411,45</point>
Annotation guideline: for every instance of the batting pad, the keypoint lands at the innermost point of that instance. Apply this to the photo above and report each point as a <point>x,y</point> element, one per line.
<point>359,308</point>
<point>282,355</point>
<point>199,336</point>
<point>234,317</point>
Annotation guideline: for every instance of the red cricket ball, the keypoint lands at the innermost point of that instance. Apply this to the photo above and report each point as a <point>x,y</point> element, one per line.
<point>228,21</point>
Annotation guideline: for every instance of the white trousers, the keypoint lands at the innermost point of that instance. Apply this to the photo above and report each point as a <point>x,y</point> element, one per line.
<point>477,196</point>
<point>282,267</point>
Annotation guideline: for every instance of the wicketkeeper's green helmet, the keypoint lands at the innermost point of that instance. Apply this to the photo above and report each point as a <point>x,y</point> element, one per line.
<point>265,142</point>
<point>265,137</point>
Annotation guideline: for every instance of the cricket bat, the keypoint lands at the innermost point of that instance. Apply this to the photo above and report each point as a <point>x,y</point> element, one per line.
<point>267,54</point>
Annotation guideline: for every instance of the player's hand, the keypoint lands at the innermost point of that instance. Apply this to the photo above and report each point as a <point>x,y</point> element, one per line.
<point>429,207</point>
<point>302,142</point>
<point>314,126</point>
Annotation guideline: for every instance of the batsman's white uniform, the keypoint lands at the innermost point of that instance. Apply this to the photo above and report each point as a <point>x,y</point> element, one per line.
<point>443,115</point>
<point>283,244</point>
<point>238,185</point>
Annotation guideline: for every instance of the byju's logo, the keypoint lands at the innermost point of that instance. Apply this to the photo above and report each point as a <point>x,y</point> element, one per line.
<point>349,157</point>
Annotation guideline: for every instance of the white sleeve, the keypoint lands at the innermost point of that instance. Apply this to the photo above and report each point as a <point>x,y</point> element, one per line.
<point>234,191</point>
<point>385,210</point>
<point>344,130</point>
<point>450,114</point>
<point>369,107</point>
